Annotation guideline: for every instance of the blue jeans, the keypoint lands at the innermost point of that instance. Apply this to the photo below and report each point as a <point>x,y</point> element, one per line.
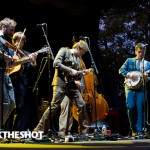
<point>7,96</point>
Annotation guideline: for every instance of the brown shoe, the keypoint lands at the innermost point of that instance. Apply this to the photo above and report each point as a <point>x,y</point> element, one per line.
<point>61,135</point>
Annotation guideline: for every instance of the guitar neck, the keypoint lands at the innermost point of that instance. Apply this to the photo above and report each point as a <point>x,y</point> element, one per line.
<point>148,71</point>
<point>45,49</point>
<point>23,58</point>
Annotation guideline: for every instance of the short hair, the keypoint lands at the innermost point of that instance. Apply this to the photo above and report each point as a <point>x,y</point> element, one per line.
<point>18,35</point>
<point>81,44</point>
<point>141,46</point>
<point>7,22</point>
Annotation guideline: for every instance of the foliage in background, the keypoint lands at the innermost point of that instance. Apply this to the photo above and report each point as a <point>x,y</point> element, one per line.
<point>120,29</point>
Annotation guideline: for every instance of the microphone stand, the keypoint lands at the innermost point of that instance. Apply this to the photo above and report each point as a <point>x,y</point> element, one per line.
<point>97,72</point>
<point>145,91</point>
<point>50,56</point>
<point>37,80</point>
<point>39,74</point>
<point>145,99</point>
<point>144,84</point>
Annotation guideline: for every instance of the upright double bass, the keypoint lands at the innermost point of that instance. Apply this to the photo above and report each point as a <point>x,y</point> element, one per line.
<point>97,107</point>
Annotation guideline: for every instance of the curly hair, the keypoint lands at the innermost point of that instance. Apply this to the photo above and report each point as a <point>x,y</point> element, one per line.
<point>7,22</point>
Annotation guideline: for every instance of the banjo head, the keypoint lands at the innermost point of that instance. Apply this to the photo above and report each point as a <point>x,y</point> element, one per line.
<point>134,83</point>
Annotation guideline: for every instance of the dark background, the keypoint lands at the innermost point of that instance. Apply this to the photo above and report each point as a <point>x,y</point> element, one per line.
<point>66,20</point>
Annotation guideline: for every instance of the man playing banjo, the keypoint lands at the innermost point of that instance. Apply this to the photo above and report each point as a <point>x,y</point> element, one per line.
<point>135,70</point>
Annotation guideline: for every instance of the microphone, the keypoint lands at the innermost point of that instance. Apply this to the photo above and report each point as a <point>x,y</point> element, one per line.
<point>42,24</point>
<point>83,37</point>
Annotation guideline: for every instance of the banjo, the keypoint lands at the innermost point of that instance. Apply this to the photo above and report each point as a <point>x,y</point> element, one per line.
<point>135,83</point>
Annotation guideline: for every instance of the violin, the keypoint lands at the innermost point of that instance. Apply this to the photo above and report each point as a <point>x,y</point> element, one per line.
<point>9,45</point>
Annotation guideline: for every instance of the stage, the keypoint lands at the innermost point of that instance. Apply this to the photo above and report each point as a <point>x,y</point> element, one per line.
<point>110,143</point>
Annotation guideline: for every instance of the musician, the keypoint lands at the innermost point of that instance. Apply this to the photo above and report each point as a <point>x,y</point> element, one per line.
<point>65,118</point>
<point>66,64</point>
<point>136,96</point>
<point>20,80</point>
<point>7,28</point>
<point>66,114</point>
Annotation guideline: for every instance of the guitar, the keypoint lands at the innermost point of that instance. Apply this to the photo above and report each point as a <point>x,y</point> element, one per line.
<point>10,70</point>
<point>69,78</point>
<point>135,83</point>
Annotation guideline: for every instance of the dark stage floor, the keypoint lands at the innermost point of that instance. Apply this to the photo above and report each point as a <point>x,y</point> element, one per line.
<point>110,142</point>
